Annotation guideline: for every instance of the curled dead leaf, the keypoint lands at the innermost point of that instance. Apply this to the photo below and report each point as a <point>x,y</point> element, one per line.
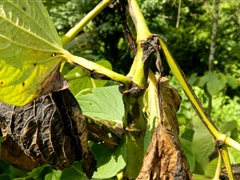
<point>165,158</point>
<point>51,129</point>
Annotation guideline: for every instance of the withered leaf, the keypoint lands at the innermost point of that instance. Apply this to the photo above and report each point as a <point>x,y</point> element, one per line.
<point>164,158</point>
<point>51,128</point>
<point>14,155</point>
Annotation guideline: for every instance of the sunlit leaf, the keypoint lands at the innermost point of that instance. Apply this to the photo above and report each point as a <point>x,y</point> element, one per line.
<point>103,103</point>
<point>110,163</point>
<point>30,51</point>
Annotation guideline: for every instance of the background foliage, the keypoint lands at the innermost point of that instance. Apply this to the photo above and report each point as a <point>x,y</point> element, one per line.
<point>189,42</point>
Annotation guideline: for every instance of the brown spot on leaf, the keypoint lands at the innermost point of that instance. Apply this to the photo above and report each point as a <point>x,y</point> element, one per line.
<point>35,64</point>
<point>23,83</point>
<point>24,8</point>
<point>1,82</point>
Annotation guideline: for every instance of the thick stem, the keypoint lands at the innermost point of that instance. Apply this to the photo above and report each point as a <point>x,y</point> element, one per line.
<point>140,25</point>
<point>135,127</point>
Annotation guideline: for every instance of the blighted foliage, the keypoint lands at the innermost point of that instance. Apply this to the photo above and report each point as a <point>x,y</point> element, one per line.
<point>49,130</point>
<point>165,158</point>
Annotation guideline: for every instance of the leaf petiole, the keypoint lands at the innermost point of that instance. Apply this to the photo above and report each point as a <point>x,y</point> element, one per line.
<point>95,70</point>
<point>75,30</point>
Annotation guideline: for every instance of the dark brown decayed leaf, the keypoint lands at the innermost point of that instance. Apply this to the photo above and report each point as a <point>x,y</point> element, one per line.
<point>51,128</point>
<point>14,155</point>
<point>164,158</point>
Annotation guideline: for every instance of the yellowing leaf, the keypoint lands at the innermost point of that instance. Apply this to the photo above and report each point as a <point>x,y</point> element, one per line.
<point>30,52</point>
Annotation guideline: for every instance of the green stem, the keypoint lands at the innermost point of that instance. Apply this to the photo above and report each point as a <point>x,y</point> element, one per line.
<point>75,30</point>
<point>135,127</point>
<point>227,162</point>
<point>230,142</point>
<point>219,166</point>
<point>140,24</point>
<point>96,70</point>
<point>134,120</point>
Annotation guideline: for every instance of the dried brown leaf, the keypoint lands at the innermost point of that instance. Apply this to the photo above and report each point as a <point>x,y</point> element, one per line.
<point>14,155</point>
<point>164,158</point>
<point>51,128</point>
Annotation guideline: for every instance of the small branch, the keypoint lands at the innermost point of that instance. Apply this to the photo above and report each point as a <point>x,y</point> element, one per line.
<point>219,166</point>
<point>214,36</point>
<point>179,12</point>
<point>75,30</point>
<point>96,71</point>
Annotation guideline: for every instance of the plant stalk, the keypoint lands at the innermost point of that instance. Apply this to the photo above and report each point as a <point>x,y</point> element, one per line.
<point>95,70</point>
<point>75,30</point>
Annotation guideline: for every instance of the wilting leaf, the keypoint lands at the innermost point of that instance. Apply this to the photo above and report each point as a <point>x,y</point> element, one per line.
<point>14,155</point>
<point>51,129</point>
<point>108,133</point>
<point>165,158</point>
<point>30,52</point>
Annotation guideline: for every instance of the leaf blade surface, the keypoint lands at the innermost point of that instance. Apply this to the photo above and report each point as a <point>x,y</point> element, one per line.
<point>30,50</point>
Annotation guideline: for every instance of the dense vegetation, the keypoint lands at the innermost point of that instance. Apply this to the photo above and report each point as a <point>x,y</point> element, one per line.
<point>186,28</point>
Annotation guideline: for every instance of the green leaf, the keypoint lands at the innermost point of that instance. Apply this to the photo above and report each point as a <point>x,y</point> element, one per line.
<point>74,172</point>
<point>211,168</point>
<point>204,79</point>
<point>200,177</point>
<point>110,163</point>
<point>30,50</point>
<point>232,82</point>
<point>187,148</point>
<point>55,175</point>
<point>80,79</point>
<point>202,145</point>
<point>5,177</point>
<point>103,103</point>
<point>234,155</point>
<point>228,126</point>
<point>216,82</point>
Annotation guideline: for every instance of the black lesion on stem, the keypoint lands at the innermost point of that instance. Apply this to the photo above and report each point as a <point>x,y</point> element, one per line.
<point>134,90</point>
<point>94,74</point>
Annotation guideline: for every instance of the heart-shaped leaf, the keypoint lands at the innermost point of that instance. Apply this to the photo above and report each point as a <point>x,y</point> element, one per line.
<point>30,52</point>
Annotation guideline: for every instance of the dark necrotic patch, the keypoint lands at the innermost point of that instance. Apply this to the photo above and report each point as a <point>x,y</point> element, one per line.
<point>24,8</point>
<point>23,83</point>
